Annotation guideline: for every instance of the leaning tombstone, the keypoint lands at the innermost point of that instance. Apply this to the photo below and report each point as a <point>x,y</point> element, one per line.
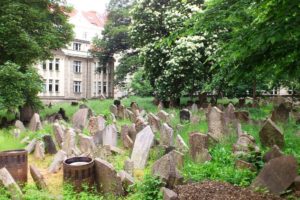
<point>38,178</point>
<point>141,148</point>
<point>216,124</point>
<point>166,135</point>
<point>80,118</point>
<point>271,135</point>
<point>8,181</point>
<point>199,147</point>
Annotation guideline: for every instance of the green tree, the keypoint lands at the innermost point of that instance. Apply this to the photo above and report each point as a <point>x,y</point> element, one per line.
<point>18,88</point>
<point>29,31</point>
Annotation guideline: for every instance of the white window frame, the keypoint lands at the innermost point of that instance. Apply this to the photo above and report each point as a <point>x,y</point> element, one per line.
<point>50,85</point>
<point>77,66</point>
<point>57,60</point>
<point>56,86</point>
<point>76,46</point>
<point>77,86</point>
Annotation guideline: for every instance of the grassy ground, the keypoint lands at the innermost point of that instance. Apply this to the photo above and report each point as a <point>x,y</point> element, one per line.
<point>220,168</point>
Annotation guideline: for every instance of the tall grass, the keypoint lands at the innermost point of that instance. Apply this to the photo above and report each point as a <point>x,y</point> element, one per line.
<point>8,141</point>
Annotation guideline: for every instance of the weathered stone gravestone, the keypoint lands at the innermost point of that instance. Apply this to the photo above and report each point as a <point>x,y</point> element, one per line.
<point>80,118</point>
<point>107,179</point>
<point>281,113</point>
<point>154,122</point>
<point>194,108</point>
<point>20,125</point>
<point>39,151</point>
<point>140,124</point>
<point>69,142</point>
<point>50,147</point>
<point>244,145</point>
<point>26,113</point>
<point>86,144</point>
<point>199,147</point>
<point>121,112</point>
<point>58,134</point>
<point>114,109</point>
<point>185,115</point>
<point>274,152</point>
<point>35,123</point>
<point>10,184</point>
<point>270,135</point>
<point>110,135</point>
<point>216,123</point>
<point>38,178</point>
<point>180,144</point>
<point>132,132</point>
<point>96,124</point>
<point>126,140</point>
<point>229,115</point>
<point>30,147</point>
<point>129,166</point>
<point>130,115</point>
<point>141,148</point>
<point>58,159</point>
<point>242,116</point>
<point>169,194</point>
<point>166,135</point>
<point>165,168</point>
<point>135,108</point>
<point>163,116</point>
<point>277,175</point>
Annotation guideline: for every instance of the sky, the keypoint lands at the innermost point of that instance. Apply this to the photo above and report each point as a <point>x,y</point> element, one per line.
<point>87,5</point>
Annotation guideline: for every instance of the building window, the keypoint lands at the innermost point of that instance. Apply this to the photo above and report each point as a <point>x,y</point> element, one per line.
<point>77,66</point>
<point>77,86</point>
<point>95,88</point>
<point>44,65</point>
<point>50,85</point>
<point>56,85</point>
<point>104,87</point>
<point>99,87</point>
<point>57,64</point>
<point>76,46</point>
<point>50,65</point>
<point>104,69</point>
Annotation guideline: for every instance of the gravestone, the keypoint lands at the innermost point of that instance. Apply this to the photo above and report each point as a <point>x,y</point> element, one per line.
<point>38,178</point>
<point>242,102</point>
<point>20,126</point>
<point>10,184</point>
<point>281,113</point>
<point>270,135</point>
<point>185,115</point>
<point>58,134</point>
<point>244,145</point>
<point>216,123</point>
<point>274,152</point>
<point>86,144</point>
<point>180,144</point>
<point>39,151</point>
<point>154,122</point>
<point>229,115</point>
<point>129,166</point>
<point>121,111</point>
<point>58,159</point>
<point>35,123</point>
<point>30,147</point>
<point>199,147</point>
<point>166,135</point>
<point>96,124</point>
<point>194,108</point>
<point>169,194</point>
<point>110,135</point>
<point>277,175</point>
<point>242,116</point>
<point>107,179</point>
<point>132,132</point>
<point>26,113</point>
<point>140,124</point>
<point>141,148</point>
<point>165,168</point>
<point>69,142</point>
<point>80,118</point>
<point>163,116</point>
<point>130,115</point>
<point>114,109</point>
<point>50,147</point>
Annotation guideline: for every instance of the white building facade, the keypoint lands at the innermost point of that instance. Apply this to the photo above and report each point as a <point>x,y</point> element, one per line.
<point>72,73</point>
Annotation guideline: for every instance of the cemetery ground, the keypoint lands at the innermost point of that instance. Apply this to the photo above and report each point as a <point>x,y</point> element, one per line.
<point>206,168</point>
